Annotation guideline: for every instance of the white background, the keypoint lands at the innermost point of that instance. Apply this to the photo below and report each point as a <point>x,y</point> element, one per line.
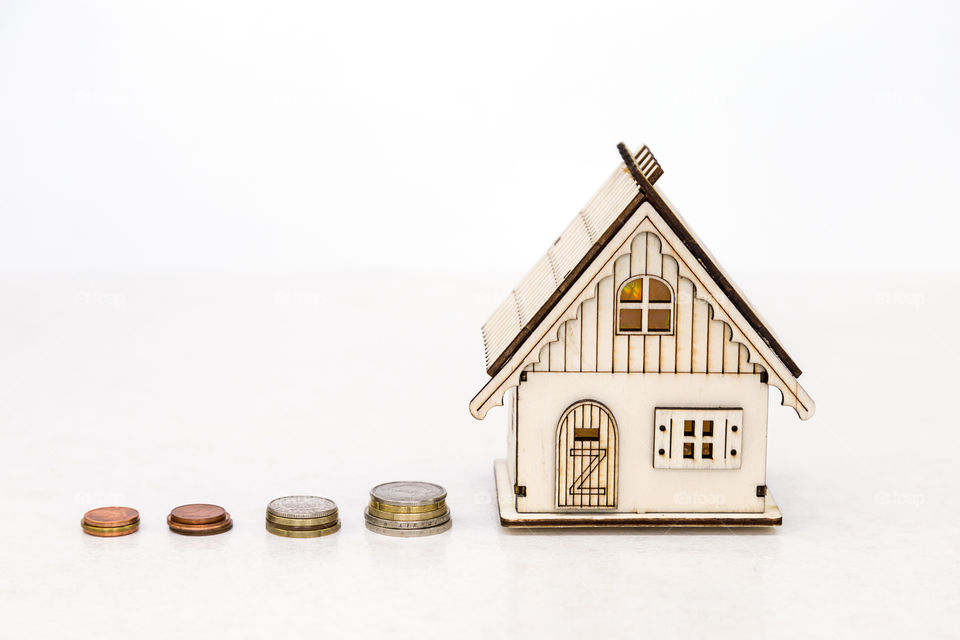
<point>246,250</point>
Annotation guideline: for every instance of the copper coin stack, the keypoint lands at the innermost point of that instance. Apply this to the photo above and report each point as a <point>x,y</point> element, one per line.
<point>302,517</point>
<point>111,522</point>
<point>199,520</point>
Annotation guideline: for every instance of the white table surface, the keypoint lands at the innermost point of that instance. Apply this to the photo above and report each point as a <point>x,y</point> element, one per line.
<point>157,390</point>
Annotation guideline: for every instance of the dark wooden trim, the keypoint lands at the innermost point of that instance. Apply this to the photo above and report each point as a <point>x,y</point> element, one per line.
<point>647,194</point>
<point>640,521</point>
<point>703,258</point>
<point>568,281</point>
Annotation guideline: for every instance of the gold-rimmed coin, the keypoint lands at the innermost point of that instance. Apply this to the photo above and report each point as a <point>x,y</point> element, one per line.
<point>290,528</point>
<point>303,533</point>
<point>408,494</point>
<point>109,532</point>
<point>390,508</point>
<point>130,528</point>
<point>408,517</point>
<point>405,524</point>
<point>303,522</point>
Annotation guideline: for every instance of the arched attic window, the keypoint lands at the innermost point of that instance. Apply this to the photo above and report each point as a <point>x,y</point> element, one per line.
<point>645,306</point>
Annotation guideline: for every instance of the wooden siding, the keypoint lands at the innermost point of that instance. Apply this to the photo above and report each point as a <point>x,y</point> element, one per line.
<point>701,342</point>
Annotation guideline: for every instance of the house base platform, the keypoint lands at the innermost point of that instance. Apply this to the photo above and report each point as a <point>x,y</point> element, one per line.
<point>509,517</point>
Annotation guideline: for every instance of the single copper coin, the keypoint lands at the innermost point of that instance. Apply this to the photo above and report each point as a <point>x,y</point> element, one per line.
<point>198,514</point>
<point>111,517</point>
<point>207,529</point>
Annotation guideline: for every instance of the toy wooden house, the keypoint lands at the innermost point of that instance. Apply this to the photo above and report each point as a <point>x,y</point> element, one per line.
<point>635,375</point>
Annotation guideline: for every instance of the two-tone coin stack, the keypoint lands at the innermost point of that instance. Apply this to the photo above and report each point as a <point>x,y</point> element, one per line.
<point>407,509</point>
<point>302,517</point>
<point>110,522</point>
<point>199,520</point>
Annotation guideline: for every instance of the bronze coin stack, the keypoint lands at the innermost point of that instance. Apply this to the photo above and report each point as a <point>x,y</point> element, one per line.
<point>111,522</point>
<point>407,509</point>
<point>199,520</point>
<point>302,517</point>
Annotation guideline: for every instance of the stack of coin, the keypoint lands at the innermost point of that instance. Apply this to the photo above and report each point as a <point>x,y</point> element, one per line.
<point>110,522</point>
<point>199,520</point>
<point>302,517</point>
<point>407,509</point>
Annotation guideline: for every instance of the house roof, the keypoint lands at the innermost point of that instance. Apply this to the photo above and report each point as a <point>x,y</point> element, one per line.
<point>532,300</point>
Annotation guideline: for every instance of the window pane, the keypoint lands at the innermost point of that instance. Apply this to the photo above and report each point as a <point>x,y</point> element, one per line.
<point>707,451</point>
<point>687,449</point>
<point>688,428</point>
<point>708,427</point>
<point>586,434</point>
<point>632,291</point>
<point>631,319</point>
<point>659,291</point>
<point>658,320</point>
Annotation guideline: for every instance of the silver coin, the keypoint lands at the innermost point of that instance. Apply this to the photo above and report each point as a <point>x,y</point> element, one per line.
<point>302,507</point>
<point>408,494</point>
<point>410,533</point>
<point>405,524</point>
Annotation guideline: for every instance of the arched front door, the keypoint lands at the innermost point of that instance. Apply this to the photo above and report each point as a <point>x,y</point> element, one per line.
<point>587,457</point>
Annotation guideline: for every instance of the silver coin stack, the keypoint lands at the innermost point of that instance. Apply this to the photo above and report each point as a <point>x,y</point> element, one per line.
<point>407,509</point>
<point>302,517</point>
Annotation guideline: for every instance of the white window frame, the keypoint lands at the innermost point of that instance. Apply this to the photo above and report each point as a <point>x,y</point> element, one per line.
<point>727,438</point>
